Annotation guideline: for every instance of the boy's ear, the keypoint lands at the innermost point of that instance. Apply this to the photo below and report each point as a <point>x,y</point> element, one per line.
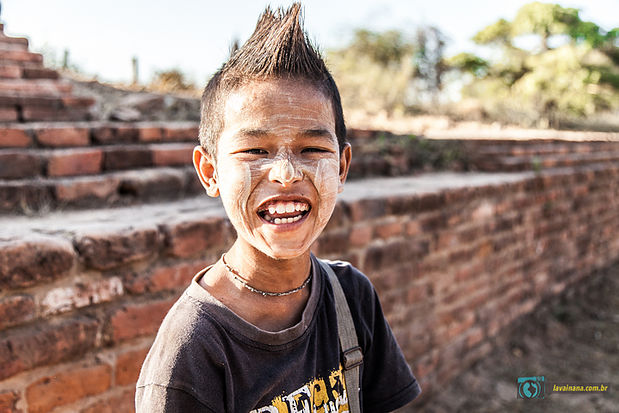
<point>345,157</point>
<point>205,168</point>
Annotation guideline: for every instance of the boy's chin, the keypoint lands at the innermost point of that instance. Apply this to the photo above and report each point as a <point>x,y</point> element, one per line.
<point>284,252</point>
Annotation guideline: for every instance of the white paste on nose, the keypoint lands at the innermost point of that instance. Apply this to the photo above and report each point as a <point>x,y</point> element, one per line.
<point>285,171</point>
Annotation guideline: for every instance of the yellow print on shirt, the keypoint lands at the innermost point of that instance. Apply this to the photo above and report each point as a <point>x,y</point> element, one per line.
<point>321,395</point>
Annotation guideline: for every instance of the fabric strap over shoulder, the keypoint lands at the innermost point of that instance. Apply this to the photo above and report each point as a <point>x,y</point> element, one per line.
<point>352,355</point>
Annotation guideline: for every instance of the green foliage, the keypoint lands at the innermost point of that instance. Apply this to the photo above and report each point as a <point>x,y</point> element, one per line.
<point>497,33</point>
<point>577,78</point>
<point>388,71</point>
<point>387,48</point>
<point>468,62</point>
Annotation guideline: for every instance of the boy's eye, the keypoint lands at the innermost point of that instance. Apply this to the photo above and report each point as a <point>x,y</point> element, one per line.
<point>255,151</point>
<point>314,150</point>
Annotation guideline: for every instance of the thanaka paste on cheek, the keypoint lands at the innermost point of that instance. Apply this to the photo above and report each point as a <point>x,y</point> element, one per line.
<point>239,196</point>
<point>326,181</point>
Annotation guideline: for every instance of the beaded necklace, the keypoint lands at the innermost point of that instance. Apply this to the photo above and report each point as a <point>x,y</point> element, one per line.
<point>241,280</point>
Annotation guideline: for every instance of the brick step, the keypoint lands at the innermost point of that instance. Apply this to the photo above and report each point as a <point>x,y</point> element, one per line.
<point>13,46</point>
<point>516,148</point>
<point>35,163</point>
<point>20,56</point>
<point>112,188</point>
<point>523,163</point>
<point>80,134</point>
<point>19,72</point>
<point>13,40</point>
<point>35,87</point>
<point>490,135</point>
<point>20,108</point>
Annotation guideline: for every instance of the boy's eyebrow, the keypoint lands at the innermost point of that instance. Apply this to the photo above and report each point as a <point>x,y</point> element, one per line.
<point>307,133</point>
<point>253,132</point>
<point>317,133</point>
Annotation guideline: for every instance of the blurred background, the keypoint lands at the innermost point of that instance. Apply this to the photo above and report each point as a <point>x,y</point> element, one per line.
<point>482,200</point>
<point>515,62</point>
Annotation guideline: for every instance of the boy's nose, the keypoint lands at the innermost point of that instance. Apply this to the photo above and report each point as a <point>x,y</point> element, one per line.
<point>284,172</point>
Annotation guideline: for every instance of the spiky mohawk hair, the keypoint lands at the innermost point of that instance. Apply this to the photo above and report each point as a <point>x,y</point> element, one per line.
<point>278,49</point>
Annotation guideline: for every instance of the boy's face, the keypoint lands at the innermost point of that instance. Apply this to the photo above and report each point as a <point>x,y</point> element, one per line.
<point>278,168</point>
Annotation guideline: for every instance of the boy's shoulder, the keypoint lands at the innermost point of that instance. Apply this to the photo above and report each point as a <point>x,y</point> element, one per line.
<point>348,273</point>
<point>356,285</point>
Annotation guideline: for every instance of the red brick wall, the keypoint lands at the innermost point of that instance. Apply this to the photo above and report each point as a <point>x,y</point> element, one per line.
<point>453,268</point>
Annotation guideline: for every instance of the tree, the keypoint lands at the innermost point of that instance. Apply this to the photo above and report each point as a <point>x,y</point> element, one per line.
<point>389,71</point>
<point>577,77</point>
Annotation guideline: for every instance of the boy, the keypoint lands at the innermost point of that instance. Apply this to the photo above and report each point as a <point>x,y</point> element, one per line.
<point>257,331</point>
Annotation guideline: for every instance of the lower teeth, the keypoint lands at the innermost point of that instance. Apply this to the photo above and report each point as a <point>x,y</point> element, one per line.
<point>283,220</point>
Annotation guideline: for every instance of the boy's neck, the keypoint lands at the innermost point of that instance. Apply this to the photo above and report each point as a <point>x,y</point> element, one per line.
<point>264,273</point>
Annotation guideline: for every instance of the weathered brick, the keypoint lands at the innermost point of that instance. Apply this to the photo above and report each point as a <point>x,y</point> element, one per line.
<point>8,114</point>
<point>153,184</point>
<point>34,259</point>
<point>189,238</point>
<point>77,102</point>
<point>14,138</point>
<point>108,134</point>
<point>394,253</point>
<point>103,134</point>
<point>126,158</point>
<point>19,164</point>
<point>474,336</point>
<point>45,343</point>
<point>67,387</point>
<point>16,41</point>
<point>434,222</point>
<point>360,235</point>
<point>74,162</point>
<point>180,133</point>
<point>16,309</point>
<point>333,242</point>
<point>39,73</point>
<point>86,189</point>
<point>8,402</point>
<point>64,136</point>
<point>10,71</point>
<point>152,134</point>
<point>367,209</point>
<point>21,56</point>
<point>389,229</point>
<point>172,155</point>
<point>137,320</point>
<point>115,403</point>
<point>413,228</point>
<point>81,294</point>
<point>163,278</point>
<point>25,196</point>
<point>128,366</point>
<point>103,249</point>
<point>339,217</point>
<point>127,133</point>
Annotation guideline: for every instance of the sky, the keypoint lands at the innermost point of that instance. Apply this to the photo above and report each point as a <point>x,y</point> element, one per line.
<point>195,35</point>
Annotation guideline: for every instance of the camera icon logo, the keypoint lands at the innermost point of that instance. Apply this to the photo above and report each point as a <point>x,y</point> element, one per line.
<point>531,387</point>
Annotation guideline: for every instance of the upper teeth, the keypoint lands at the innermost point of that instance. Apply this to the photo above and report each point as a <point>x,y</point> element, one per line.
<point>284,207</point>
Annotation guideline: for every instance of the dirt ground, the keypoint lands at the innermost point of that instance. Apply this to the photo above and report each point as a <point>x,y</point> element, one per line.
<point>574,339</point>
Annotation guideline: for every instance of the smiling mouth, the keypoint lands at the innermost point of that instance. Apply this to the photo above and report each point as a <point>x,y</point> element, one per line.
<point>284,212</point>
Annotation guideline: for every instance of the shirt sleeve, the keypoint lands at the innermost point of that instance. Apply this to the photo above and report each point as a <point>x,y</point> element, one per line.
<point>154,398</point>
<point>387,381</point>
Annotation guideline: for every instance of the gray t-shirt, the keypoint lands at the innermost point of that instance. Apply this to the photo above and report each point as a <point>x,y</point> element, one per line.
<point>205,358</point>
